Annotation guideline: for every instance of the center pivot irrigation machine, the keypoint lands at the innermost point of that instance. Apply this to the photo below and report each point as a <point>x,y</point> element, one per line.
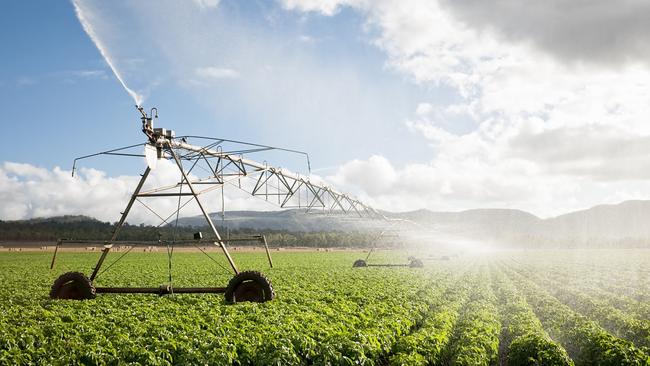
<point>220,168</point>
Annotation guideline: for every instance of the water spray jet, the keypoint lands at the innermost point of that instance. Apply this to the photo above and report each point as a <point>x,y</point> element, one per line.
<point>90,31</point>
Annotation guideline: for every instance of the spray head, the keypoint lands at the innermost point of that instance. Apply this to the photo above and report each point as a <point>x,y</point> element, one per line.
<point>147,122</point>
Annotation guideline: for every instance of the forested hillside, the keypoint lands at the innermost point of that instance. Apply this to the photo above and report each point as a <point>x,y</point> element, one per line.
<point>81,227</point>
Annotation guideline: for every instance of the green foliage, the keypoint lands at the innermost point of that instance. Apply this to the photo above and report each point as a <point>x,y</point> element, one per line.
<point>477,332</point>
<point>585,341</point>
<point>466,311</point>
<point>89,229</point>
<point>325,313</point>
<point>619,323</point>
<point>523,335</point>
<point>536,349</point>
<point>428,342</point>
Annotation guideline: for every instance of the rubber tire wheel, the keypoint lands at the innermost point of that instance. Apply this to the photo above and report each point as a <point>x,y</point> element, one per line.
<point>416,263</point>
<point>359,263</point>
<point>72,286</point>
<point>249,286</point>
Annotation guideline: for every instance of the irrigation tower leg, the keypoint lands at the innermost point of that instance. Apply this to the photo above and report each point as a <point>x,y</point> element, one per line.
<point>205,214</point>
<point>268,254</point>
<point>119,224</point>
<point>56,249</point>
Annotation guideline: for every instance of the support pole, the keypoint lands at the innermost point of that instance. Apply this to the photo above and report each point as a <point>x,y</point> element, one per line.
<point>105,251</point>
<point>134,196</point>
<point>268,254</point>
<point>119,224</point>
<point>205,214</point>
<point>56,249</point>
<point>372,249</point>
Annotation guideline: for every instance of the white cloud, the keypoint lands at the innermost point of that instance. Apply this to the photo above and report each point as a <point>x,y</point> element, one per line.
<point>374,176</point>
<point>595,31</point>
<point>538,126</point>
<point>89,74</point>
<point>25,170</point>
<point>449,183</point>
<point>424,109</point>
<point>216,73</point>
<point>532,125</point>
<point>27,191</point>
<point>207,4</point>
<point>306,39</point>
<point>327,7</point>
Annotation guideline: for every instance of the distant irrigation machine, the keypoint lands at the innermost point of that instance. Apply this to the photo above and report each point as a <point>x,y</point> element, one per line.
<point>389,232</point>
<point>220,168</point>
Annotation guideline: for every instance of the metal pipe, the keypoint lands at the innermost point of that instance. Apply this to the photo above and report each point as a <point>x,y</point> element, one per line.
<point>163,290</point>
<point>164,194</point>
<point>152,242</point>
<point>253,144</point>
<point>107,152</point>
<point>244,161</point>
<point>387,265</point>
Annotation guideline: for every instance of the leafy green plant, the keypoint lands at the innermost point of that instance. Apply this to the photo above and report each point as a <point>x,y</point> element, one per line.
<point>326,313</point>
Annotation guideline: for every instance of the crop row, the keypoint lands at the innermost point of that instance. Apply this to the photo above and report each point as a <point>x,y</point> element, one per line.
<point>612,319</point>
<point>524,340</point>
<point>585,341</point>
<point>476,334</point>
<point>598,287</point>
<point>634,284</point>
<point>428,343</point>
<point>475,311</point>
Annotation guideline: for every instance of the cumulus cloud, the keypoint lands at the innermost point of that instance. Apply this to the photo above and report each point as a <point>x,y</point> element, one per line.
<point>29,191</point>
<point>548,111</point>
<point>552,101</point>
<point>599,31</point>
<point>374,176</point>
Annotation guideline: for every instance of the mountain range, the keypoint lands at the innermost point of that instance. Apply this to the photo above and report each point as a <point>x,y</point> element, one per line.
<point>623,224</point>
<point>626,224</point>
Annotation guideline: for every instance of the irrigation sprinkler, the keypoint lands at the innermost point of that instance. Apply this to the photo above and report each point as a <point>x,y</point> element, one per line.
<point>220,168</point>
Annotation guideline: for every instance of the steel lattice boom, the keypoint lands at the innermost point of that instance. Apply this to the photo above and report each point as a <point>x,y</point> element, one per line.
<point>205,168</point>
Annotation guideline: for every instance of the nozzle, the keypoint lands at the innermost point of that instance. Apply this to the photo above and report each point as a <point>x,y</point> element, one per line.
<point>141,110</point>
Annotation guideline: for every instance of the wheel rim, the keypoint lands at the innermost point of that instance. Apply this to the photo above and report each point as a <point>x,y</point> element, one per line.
<point>359,263</point>
<point>70,290</point>
<point>249,291</point>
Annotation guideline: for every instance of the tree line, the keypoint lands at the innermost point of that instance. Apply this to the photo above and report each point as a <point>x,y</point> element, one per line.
<point>89,229</point>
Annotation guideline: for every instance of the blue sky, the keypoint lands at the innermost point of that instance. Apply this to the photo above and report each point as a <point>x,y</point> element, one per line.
<point>61,100</point>
<point>437,104</point>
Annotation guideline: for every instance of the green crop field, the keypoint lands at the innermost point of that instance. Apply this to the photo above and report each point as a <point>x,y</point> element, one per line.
<point>515,308</point>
